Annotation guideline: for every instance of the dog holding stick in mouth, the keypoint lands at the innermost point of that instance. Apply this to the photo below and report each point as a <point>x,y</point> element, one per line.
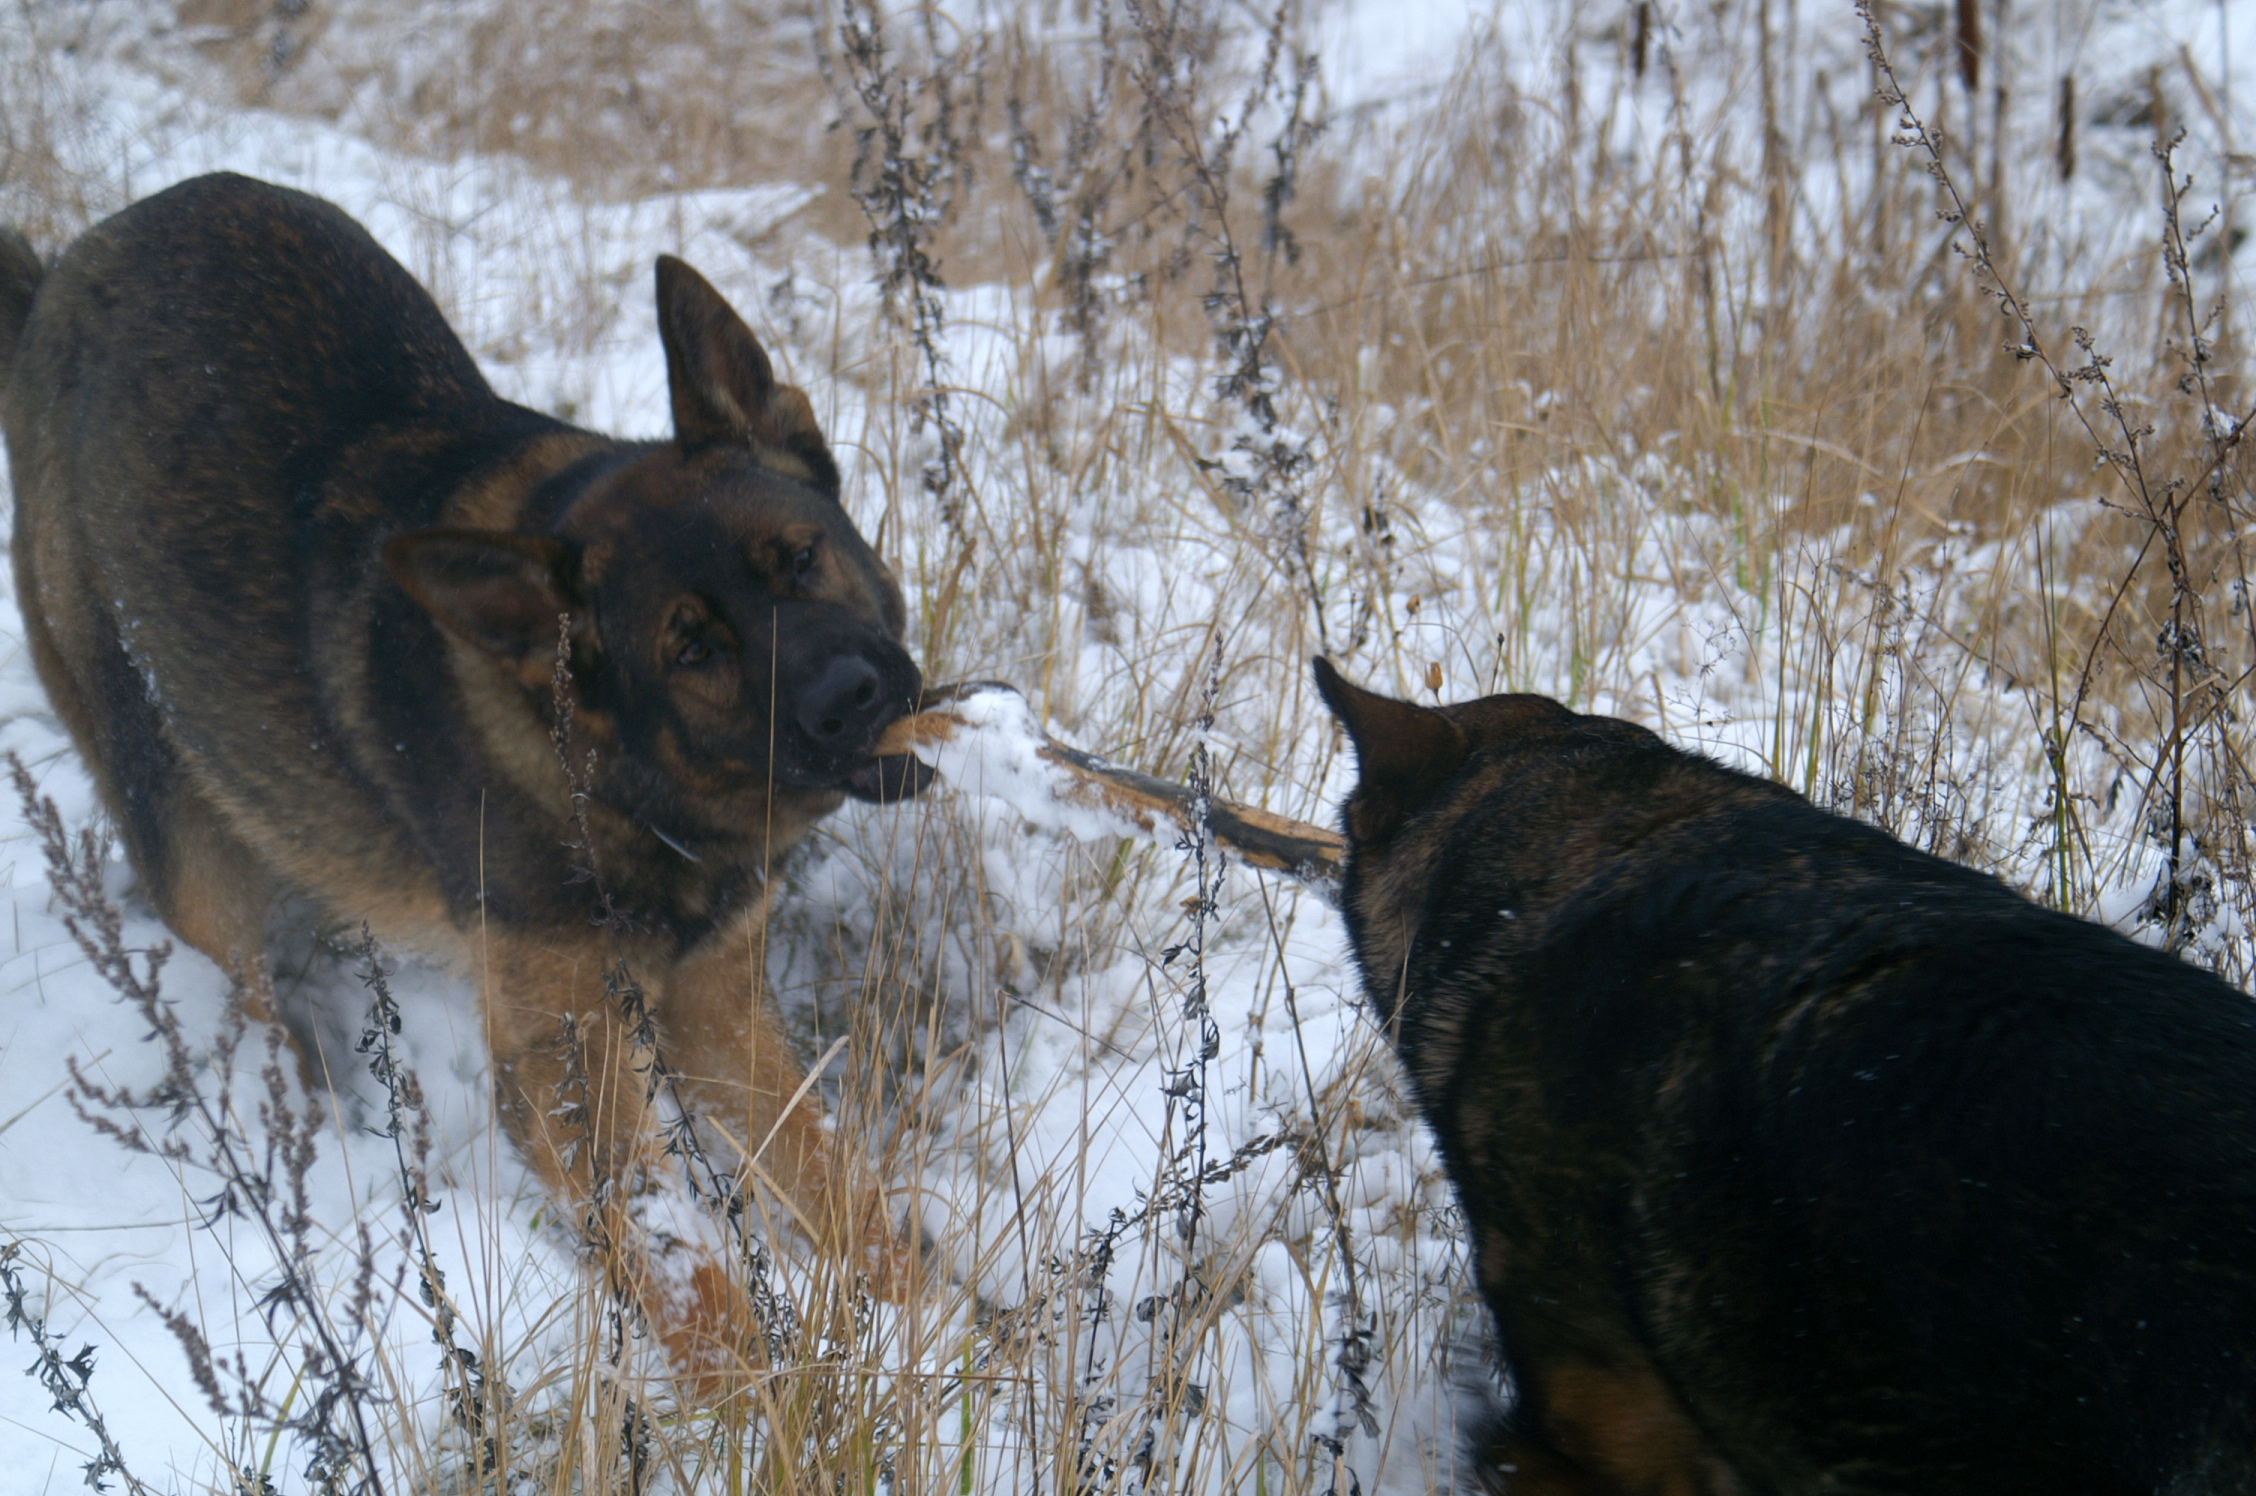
<point>330,620</point>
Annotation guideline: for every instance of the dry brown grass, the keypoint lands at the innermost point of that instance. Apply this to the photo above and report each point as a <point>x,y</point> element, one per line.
<point>1744,367</point>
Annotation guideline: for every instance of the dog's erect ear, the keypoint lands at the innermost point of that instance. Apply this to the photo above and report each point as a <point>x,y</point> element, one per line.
<point>1403,751</point>
<point>724,389</point>
<point>499,591</point>
<point>1394,740</point>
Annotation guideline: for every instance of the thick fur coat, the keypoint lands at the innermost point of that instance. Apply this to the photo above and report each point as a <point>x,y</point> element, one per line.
<point>1798,1161</point>
<point>330,620</point>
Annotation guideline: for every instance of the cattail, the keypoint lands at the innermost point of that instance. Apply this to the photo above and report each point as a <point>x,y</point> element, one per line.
<point>1970,43</point>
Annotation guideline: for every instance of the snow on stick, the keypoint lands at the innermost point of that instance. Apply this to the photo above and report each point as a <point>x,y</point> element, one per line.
<point>981,735</point>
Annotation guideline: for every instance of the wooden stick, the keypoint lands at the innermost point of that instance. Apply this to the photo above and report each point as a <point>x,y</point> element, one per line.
<point>1297,849</point>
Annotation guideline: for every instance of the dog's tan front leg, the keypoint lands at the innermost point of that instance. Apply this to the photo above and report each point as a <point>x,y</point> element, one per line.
<point>1608,1427</point>
<point>563,1070</point>
<point>572,1090</point>
<point>741,1073</point>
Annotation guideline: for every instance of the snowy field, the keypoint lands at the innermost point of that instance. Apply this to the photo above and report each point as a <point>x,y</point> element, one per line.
<point>1193,1239</point>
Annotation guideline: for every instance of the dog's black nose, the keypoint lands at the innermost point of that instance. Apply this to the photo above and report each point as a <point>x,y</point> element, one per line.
<point>841,707</point>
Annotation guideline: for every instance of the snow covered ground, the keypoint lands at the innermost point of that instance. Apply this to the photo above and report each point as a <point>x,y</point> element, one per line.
<point>1059,972</point>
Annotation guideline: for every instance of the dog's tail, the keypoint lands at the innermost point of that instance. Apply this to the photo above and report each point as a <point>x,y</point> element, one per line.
<point>20,272</point>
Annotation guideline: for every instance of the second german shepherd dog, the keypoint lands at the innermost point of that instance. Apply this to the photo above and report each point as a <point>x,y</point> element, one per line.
<point>1798,1161</point>
<point>330,619</point>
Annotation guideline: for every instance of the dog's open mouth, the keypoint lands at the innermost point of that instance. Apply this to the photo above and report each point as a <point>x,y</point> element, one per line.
<point>896,776</point>
<point>895,772</point>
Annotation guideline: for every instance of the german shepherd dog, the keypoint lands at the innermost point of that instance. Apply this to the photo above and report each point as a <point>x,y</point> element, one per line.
<point>1798,1161</point>
<point>329,619</point>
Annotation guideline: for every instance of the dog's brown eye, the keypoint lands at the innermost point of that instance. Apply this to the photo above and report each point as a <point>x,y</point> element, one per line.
<point>803,560</point>
<point>695,652</point>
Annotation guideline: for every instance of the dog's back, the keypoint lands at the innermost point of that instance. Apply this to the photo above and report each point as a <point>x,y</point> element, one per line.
<point>1798,1160</point>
